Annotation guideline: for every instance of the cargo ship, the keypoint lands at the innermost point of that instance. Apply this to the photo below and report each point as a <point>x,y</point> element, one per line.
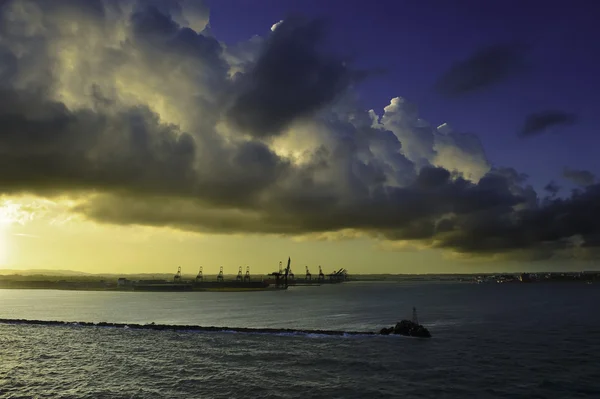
<point>240,284</point>
<point>210,286</point>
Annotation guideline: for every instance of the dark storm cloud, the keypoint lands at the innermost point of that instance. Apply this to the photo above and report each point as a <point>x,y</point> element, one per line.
<point>543,230</point>
<point>552,188</point>
<point>148,177</point>
<point>161,33</point>
<point>537,123</point>
<point>580,177</point>
<point>148,22</point>
<point>293,77</point>
<point>47,148</point>
<point>486,67</point>
<point>432,177</point>
<point>115,147</point>
<point>398,212</point>
<point>483,218</point>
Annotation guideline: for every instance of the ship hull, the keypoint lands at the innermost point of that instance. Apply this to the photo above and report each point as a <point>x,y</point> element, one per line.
<point>308,282</point>
<point>209,286</point>
<point>238,289</point>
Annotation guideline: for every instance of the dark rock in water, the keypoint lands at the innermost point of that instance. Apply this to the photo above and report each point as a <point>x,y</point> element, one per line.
<point>386,331</point>
<point>410,328</point>
<point>407,328</point>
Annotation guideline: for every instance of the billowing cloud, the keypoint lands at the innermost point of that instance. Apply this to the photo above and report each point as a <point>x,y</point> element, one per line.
<point>291,78</point>
<point>441,146</point>
<point>538,122</point>
<point>579,177</point>
<point>135,112</point>
<point>484,68</point>
<point>552,188</point>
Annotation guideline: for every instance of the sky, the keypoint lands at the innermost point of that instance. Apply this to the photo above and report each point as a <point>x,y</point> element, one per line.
<point>383,137</point>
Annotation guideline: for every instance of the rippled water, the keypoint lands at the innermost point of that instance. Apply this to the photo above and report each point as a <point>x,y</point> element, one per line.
<point>512,340</point>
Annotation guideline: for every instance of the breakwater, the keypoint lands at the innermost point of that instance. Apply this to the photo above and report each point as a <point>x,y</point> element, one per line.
<point>177,327</point>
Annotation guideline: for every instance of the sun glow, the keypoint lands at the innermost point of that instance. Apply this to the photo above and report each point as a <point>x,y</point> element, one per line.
<point>4,223</point>
<point>3,247</point>
<point>8,213</point>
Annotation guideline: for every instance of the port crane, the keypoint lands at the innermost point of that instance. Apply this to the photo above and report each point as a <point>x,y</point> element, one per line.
<point>239,276</point>
<point>308,275</point>
<point>247,276</point>
<point>177,277</point>
<point>321,275</point>
<point>287,271</point>
<point>199,277</point>
<point>280,274</point>
<point>339,275</point>
<point>220,276</point>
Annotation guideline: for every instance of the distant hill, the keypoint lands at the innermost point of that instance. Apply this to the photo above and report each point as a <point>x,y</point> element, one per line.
<point>64,272</point>
<point>43,272</point>
<point>29,273</point>
<point>74,273</point>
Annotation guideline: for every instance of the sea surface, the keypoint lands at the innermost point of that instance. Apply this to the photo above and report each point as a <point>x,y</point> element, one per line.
<point>496,341</point>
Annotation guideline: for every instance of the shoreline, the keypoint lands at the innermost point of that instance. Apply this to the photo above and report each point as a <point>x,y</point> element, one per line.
<point>113,287</point>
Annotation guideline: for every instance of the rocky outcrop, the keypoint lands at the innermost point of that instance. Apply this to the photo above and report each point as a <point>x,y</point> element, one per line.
<point>407,328</point>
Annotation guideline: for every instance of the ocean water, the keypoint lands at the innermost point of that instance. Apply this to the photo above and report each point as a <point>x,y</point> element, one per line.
<point>497,341</point>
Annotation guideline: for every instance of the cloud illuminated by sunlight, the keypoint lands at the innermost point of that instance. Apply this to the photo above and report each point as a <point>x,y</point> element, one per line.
<point>146,124</point>
<point>23,210</point>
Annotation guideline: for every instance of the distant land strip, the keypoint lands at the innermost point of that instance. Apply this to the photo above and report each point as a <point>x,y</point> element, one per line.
<point>177,327</point>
